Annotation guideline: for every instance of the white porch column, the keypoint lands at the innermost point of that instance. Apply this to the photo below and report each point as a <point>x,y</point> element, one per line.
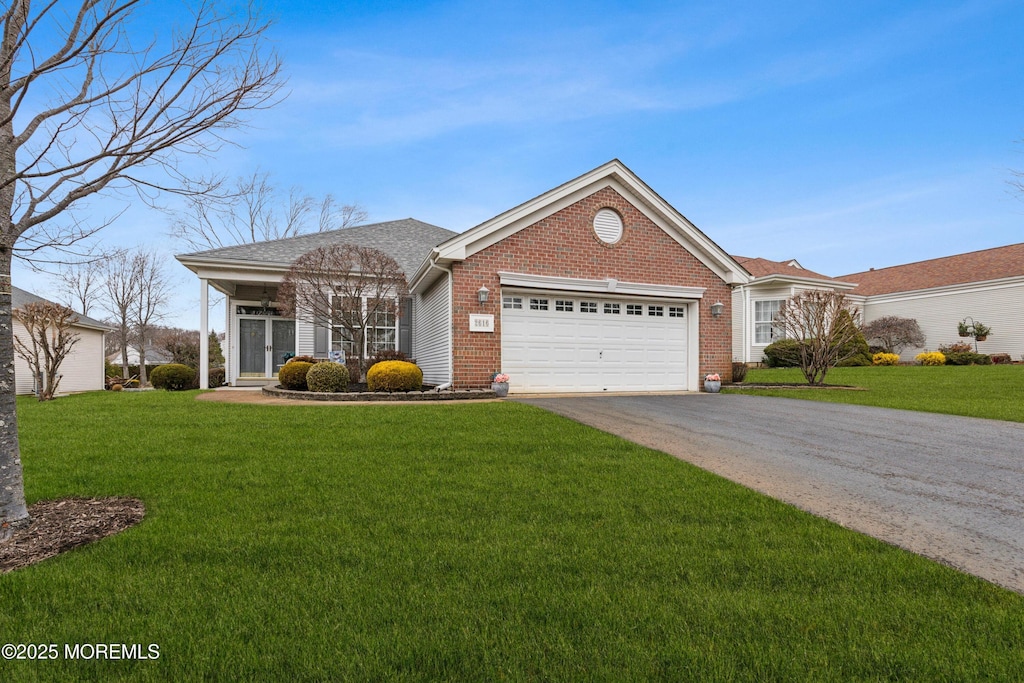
<point>204,334</point>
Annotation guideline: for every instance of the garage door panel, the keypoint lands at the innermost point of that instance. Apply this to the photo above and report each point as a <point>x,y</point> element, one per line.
<point>547,351</point>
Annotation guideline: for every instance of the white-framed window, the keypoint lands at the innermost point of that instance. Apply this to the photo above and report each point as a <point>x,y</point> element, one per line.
<point>656,311</point>
<point>765,331</point>
<point>515,302</point>
<point>676,311</point>
<point>564,305</point>
<point>612,309</point>
<point>381,333</point>
<point>538,304</point>
<point>634,309</point>
<point>588,307</point>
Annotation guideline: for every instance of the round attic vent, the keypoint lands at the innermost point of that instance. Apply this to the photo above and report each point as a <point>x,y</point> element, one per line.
<point>608,226</point>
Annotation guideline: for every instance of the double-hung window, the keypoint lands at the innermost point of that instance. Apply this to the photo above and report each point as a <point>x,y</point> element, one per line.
<point>765,331</point>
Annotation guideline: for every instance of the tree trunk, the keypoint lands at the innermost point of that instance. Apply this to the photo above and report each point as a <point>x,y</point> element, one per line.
<point>13,512</point>
<point>142,366</point>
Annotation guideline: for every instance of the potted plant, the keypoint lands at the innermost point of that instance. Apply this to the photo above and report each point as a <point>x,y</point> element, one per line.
<point>712,383</point>
<point>499,384</point>
<point>963,329</point>
<point>981,332</point>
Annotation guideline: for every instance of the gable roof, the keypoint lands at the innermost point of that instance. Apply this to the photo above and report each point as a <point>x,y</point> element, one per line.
<point>612,174</point>
<point>760,267</point>
<point>20,297</point>
<point>407,241</point>
<point>976,266</point>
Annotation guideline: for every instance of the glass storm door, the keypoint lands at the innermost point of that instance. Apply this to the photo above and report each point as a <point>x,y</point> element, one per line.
<point>252,340</point>
<point>283,339</point>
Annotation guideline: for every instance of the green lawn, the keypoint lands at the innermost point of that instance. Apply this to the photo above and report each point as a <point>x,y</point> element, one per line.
<point>491,541</point>
<point>992,391</point>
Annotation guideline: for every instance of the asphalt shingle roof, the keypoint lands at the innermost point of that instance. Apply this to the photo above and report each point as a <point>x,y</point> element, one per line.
<point>408,241</point>
<point>20,297</point>
<point>760,267</point>
<point>976,266</point>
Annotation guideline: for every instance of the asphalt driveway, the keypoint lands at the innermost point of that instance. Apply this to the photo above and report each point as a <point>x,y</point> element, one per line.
<point>950,488</point>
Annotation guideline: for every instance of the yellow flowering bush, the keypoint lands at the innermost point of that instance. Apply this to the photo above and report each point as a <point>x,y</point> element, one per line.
<point>930,358</point>
<point>885,359</point>
<point>394,375</point>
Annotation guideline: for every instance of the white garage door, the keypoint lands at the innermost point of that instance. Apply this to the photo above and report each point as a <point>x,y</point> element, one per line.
<point>565,342</point>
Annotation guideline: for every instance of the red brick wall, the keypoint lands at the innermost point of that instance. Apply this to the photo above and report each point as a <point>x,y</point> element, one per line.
<point>564,245</point>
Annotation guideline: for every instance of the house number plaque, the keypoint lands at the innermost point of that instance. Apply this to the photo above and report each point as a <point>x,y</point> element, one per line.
<point>479,322</point>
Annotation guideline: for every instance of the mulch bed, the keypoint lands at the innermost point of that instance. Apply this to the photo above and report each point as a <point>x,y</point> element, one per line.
<point>61,525</point>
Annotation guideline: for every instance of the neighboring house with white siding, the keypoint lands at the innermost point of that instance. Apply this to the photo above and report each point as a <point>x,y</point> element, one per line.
<point>755,303</point>
<point>986,286</point>
<point>82,370</point>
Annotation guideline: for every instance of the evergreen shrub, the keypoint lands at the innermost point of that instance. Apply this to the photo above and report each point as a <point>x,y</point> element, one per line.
<point>173,377</point>
<point>293,375</point>
<point>394,375</point>
<point>330,377</point>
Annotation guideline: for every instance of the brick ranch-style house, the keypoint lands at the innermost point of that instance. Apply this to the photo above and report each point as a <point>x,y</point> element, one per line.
<point>596,285</point>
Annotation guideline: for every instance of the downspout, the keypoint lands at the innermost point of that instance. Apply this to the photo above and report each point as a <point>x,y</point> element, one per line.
<point>451,324</point>
<point>745,289</point>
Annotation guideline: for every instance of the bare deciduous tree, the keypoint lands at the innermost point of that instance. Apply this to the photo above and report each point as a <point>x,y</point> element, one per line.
<point>152,292</point>
<point>894,333</point>
<point>82,110</point>
<point>345,286</point>
<point>255,211</point>
<point>825,322</point>
<point>49,341</point>
<point>80,284</point>
<point>120,284</point>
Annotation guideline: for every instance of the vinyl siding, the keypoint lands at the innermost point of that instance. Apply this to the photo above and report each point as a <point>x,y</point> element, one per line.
<point>430,333</point>
<point>1001,307</point>
<point>305,338</point>
<point>82,370</point>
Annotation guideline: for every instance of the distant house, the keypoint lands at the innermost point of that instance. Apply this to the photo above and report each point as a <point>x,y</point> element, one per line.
<point>986,286</point>
<point>82,370</point>
<point>154,357</point>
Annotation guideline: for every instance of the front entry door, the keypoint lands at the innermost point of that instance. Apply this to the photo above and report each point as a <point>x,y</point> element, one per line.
<point>257,357</point>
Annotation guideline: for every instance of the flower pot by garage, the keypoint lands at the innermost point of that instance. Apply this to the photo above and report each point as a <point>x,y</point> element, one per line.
<point>712,387</point>
<point>500,389</point>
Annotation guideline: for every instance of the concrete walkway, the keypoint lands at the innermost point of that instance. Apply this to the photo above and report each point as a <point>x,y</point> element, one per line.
<point>950,488</point>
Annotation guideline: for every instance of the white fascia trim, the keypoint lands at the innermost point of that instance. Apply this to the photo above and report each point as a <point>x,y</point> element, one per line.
<point>964,288</point>
<point>615,175</point>
<point>790,280</point>
<point>239,270</point>
<point>608,286</point>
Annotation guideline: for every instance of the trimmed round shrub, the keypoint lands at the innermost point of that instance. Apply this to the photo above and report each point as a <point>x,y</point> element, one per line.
<point>784,353</point>
<point>293,375</point>
<point>332,377</point>
<point>173,377</point>
<point>394,375</point>
<point>885,359</point>
<point>930,358</point>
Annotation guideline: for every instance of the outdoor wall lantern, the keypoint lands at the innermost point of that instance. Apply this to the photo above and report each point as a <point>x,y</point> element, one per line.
<point>716,309</point>
<point>482,294</point>
<point>265,298</point>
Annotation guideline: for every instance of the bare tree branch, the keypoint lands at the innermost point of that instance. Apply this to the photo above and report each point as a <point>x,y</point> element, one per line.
<point>825,324</point>
<point>50,339</point>
<point>345,286</point>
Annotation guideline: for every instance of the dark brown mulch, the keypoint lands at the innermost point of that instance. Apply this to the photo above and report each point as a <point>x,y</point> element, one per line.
<point>61,525</point>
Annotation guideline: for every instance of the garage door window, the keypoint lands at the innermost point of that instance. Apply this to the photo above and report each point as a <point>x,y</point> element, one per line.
<point>514,302</point>
<point>588,307</point>
<point>676,311</point>
<point>538,304</point>
<point>564,305</point>
<point>634,309</point>
<point>611,309</point>
<point>656,311</point>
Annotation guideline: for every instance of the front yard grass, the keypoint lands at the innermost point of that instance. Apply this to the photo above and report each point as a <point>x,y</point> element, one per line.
<point>992,391</point>
<point>461,542</point>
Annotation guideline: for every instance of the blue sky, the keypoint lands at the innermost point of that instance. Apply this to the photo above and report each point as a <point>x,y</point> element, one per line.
<point>847,137</point>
